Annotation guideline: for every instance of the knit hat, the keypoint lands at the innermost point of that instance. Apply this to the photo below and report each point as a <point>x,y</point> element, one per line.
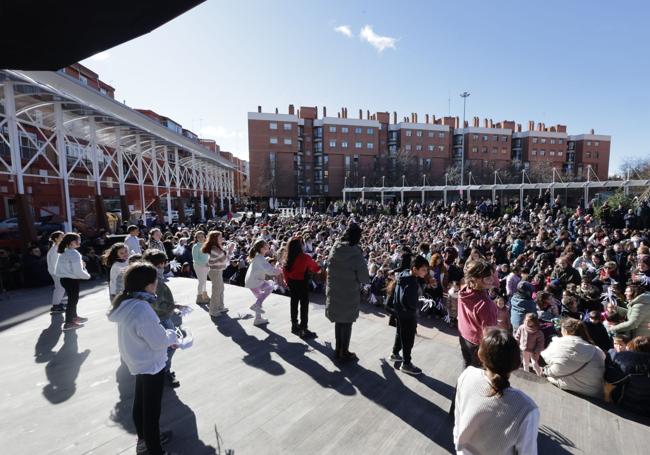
<point>525,288</point>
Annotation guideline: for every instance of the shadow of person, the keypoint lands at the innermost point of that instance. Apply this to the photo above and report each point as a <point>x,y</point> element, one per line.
<point>294,354</point>
<point>122,412</point>
<point>179,417</point>
<point>49,337</point>
<point>551,441</point>
<point>62,370</point>
<point>258,353</point>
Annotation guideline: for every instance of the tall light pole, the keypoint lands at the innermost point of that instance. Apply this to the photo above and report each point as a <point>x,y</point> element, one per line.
<point>464,96</point>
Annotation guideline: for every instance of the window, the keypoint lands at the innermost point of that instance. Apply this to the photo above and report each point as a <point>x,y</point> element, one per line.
<point>370,131</point>
<point>344,129</point>
<point>273,126</point>
<point>534,140</point>
<point>441,148</point>
<point>495,151</point>
<point>427,163</point>
<point>441,135</point>
<point>474,149</point>
<point>484,149</point>
<point>370,145</point>
<point>287,126</point>
<point>357,130</point>
<point>83,79</point>
<point>560,141</point>
<point>358,145</point>
<point>495,138</point>
<point>543,140</point>
<point>551,152</point>
<point>273,140</point>
<point>408,132</point>
<point>103,91</point>
<point>596,143</point>
<point>542,152</point>
<point>504,138</point>
<point>418,133</point>
<point>326,160</point>
<point>504,151</point>
<point>287,141</point>
<point>326,173</point>
<point>588,154</point>
<point>430,148</point>
<point>534,152</point>
<point>407,147</point>
<point>332,129</point>
<point>485,137</point>
<point>560,153</point>
<point>332,143</point>
<point>344,144</point>
<point>552,141</point>
<point>430,133</point>
<point>418,148</point>
<point>597,155</point>
<point>475,137</point>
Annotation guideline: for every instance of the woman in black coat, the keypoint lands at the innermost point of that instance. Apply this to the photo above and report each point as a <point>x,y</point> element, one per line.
<point>629,372</point>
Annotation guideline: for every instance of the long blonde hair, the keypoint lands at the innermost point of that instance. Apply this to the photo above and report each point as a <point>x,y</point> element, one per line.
<point>212,241</point>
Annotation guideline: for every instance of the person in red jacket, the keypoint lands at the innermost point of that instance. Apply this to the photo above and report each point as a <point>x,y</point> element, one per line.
<point>295,272</point>
<point>476,311</point>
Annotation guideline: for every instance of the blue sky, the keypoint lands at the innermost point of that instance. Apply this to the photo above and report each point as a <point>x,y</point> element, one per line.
<point>580,63</point>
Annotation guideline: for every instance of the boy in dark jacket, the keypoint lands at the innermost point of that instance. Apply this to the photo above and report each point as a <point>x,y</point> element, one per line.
<point>405,302</point>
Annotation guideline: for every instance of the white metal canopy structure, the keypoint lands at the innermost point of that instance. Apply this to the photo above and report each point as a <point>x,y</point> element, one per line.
<point>54,126</point>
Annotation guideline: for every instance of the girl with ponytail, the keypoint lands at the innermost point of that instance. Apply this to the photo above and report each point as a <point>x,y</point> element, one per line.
<point>52,257</point>
<point>255,280</point>
<point>490,416</point>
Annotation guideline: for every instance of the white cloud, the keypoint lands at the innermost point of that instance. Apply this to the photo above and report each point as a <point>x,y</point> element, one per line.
<point>100,57</point>
<point>344,30</point>
<point>219,132</point>
<point>379,42</point>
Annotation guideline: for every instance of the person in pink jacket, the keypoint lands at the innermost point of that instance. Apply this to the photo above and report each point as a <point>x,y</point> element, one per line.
<point>476,311</point>
<point>531,342</point>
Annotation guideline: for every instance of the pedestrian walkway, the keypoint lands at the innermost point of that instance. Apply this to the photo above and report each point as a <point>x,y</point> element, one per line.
<point>259,390</point>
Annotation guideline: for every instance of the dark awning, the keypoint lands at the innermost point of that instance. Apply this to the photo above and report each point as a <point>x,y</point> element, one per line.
<point>52,34</point>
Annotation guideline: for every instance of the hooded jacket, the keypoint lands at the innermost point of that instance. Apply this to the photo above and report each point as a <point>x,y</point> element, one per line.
<point>258,270</point>
<point>406,294</point>
<point>476,311</point>
<point>638,317</point>
<point>520,305</point>
<point>70,265</point>
<point>629,371</point>
<point>576,365</point>
<point>141,339</point>
<point>52,257</point>
<point>347,270</point>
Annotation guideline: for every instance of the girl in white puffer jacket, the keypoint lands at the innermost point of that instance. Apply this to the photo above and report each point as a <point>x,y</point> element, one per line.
<point>255,280</point>
<point>573,362</point>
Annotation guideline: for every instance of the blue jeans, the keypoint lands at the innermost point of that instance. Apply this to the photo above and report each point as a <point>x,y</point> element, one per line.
<point>168,324</point>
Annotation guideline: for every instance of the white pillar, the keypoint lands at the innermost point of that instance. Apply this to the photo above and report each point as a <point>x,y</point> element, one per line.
<point>138,151</point>
<point>63,162</point>
<point>586,189</point>
<point>177,172</point>
<point>221,178</point>
<point>14,141</point>
<point>444,191</point>
<point>168,179</point>
<point>194,182</point>
<point>552,189</point>
<point>120,161</point>
<point>424,182</point>
<point>494,188</point>
<point>95,154</point>
<point>154,164</point>
<point>469,191</point>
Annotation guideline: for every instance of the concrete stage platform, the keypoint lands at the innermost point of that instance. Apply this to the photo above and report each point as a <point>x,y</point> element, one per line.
<point>258,391</point>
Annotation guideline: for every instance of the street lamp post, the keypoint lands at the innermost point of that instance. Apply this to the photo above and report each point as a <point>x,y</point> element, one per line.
<point>363,188</point>
<point>403,185</point>
<point>345,184</point>
<point>464,96</point>
<point>424,182</point>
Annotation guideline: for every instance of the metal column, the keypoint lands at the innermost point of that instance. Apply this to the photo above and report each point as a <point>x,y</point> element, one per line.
<point>168,181</point>
<point>63,165</point>
<point>138,151</point>
<point>586,190</point>
<point>14,141</point>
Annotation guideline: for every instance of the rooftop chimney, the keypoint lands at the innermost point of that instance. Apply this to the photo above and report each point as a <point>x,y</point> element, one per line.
<point>485,123</point>
<point>395,117</point>
<point>291,111</point>
<point>491,124</point>
<point>368,114</point>
<point>426,118</point>
<point>324,111</point>
<point>457,122</point>
<point>591,131</point>
<point>476,122</point>
<point>259,109</point>
<point>531,125</point>
<point>433,118</point>
<point>466,125</point>
<point>360,113</point>
<point>276,110</point>
<point>518,127</point>
<point>338,114</point>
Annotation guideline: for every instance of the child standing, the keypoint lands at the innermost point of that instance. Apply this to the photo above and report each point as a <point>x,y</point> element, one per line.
<point>116,260</point>
<point>201,268</point>
<point>70,268</point>
<point>52,256</point>
<point>255,280</point>
<point>531,342</point>
<point>503,313</point>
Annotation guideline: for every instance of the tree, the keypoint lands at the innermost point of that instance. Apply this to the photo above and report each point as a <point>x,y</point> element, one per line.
<point>637,167</point>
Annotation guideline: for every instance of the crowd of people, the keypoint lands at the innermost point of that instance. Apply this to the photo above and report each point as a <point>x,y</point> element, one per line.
<point>545,287</point>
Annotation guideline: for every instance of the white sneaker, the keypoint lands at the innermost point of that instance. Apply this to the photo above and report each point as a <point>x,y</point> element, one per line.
<point>260,321</point>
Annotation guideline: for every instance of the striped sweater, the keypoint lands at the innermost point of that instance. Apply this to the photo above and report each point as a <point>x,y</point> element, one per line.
<point>218,259</point>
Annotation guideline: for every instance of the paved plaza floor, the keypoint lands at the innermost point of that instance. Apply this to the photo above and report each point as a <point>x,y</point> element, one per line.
<point>258,390</point>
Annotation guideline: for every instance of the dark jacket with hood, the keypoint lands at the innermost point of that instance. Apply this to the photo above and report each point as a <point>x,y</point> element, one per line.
<point>629,371</point>
<point>406,294</point>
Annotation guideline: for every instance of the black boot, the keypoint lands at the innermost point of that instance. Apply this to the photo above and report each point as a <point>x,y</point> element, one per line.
<point>294,328</point>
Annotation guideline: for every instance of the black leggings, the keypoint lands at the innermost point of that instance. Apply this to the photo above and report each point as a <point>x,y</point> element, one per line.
<point>299,294</point>
<point>343,333</point>
<point>470,353</point>
<point>146,409</point>
<point>71,287</point>
<point>405,336</point>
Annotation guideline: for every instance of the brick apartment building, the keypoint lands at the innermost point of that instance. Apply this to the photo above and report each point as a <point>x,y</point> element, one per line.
<point>299,154</point>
